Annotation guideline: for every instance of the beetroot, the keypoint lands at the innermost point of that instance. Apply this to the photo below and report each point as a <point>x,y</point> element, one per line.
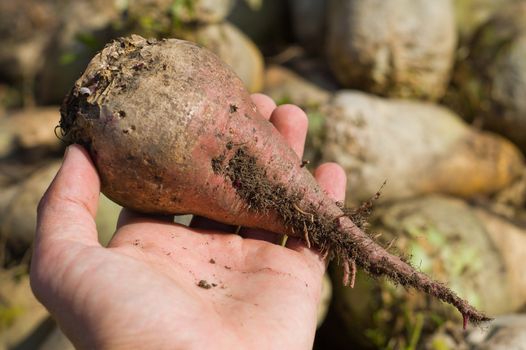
<point>172,130</point>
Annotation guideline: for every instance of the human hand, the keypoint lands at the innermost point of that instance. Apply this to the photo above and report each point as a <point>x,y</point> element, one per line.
<point>163,285</point>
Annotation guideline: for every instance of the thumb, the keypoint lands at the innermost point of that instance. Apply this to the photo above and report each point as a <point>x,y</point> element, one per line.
<point>67,210</point>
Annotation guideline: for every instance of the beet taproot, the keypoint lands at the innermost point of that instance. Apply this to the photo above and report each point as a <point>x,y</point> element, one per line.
<point>172,130</point>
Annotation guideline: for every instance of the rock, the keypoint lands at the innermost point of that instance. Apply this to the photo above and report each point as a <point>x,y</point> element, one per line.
<point>285,86</point>
<point>444,238</point>
<point>21,315</point>
<point>325,300</point>
<point>416,147</point>
<point>30,129</point>
<point>234,48</point>
<point>504,333</point>
<point>489,83</point>
<point>309,23</point>
<point>56,340</point>
<point>398,48</point>
<point>18,220</point>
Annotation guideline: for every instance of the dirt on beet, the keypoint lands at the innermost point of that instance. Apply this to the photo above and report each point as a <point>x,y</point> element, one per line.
<point>263,196</point>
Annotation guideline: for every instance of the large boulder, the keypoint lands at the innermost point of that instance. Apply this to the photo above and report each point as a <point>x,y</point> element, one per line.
<point>398,48</point>
<point>489,84</point>
<point>444,238</point>
<point>416,147</point>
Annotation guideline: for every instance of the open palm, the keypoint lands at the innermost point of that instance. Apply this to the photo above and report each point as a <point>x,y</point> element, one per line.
<point>163,285</point>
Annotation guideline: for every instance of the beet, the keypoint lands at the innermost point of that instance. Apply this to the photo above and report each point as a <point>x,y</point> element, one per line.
<point>172,130</point>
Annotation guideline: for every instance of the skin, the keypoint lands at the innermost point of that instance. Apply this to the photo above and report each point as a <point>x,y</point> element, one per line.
<point>142,292</point>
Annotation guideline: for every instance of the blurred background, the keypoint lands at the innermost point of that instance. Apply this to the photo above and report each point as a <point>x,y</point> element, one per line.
<point>427,95</point>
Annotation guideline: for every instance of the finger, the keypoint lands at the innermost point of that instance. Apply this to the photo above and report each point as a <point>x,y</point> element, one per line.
<point>130,217</point>
<point>292,123</point>
<point>264,104</point>
<point>207,224</point>
<point>332,179</point>
<point>67,210</point>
